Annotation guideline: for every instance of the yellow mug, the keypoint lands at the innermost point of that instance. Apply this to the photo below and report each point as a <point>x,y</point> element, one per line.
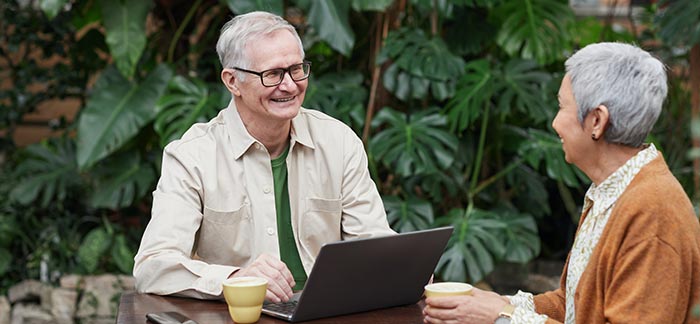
<point>245,296</point>
<point>443,289</point>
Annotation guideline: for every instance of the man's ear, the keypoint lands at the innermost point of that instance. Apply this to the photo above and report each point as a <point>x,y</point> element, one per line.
<point>600,120</point>
<point>228,77</point>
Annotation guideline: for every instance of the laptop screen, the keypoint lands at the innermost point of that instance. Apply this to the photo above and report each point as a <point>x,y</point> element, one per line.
<point>365,274</point>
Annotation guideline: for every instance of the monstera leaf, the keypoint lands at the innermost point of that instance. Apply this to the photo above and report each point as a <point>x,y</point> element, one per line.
<point>420,64</point>
<point>48,173</point>
<point>245,6</point>
<point>536,30</point>
<point>122,180</point>
<point>125,24</point>
<point>521,86</point>
<point>116,111</point>
<point>474,246</point>
<point>408,215</point>
<point>546,147</point>
<point>415,143</point>
<point>520,235</point>
<point>187,101</point>
<point>474,92</point>
<point>340,95</point>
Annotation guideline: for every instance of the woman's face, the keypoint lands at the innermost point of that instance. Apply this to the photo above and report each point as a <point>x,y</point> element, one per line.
<point>575,140</point>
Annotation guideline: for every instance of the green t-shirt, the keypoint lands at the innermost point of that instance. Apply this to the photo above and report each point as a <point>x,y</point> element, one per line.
<point>288,246</point>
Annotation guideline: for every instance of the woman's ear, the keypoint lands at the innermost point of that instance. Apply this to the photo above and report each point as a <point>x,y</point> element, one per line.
<point>228,77</point>
<point>600,119</point>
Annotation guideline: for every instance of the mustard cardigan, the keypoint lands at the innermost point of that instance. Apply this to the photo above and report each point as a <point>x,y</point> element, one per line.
<point>646,266</point>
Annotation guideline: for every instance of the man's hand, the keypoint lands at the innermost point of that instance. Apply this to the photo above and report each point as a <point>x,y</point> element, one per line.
<point>279,278</point>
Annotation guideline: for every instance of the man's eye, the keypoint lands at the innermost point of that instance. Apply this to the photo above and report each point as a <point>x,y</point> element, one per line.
<point>274,74</point>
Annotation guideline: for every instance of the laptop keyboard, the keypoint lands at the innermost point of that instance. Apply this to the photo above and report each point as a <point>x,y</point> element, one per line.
<point>283,308</point>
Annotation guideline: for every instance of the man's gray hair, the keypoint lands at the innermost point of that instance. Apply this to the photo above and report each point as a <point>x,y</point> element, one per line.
<point>241,30</point>
<point>624,78</point>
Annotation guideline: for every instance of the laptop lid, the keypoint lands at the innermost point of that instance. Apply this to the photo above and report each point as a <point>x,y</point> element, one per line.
<point>366,274</point>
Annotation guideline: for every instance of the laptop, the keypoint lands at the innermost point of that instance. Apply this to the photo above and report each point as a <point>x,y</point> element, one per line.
<point>365,274</point>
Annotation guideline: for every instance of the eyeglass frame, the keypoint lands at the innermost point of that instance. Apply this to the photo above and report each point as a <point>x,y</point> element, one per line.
<point>284,70</point>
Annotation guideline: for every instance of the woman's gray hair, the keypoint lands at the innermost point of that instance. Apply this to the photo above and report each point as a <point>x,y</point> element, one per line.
<point>242,29</point>
<point>624,78</point>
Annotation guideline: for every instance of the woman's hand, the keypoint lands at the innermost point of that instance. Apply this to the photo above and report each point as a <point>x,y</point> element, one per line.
<point>482,307</point>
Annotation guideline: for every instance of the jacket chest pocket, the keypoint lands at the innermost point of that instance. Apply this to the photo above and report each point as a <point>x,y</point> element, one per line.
<point>225,237</point>
<point>321,223</point>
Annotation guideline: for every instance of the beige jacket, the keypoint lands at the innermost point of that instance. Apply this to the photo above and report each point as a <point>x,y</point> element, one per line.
<point>214,206</point>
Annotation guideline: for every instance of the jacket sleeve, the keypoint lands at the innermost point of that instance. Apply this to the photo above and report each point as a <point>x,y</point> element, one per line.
<point>363,213</point>
<point>164,264</point>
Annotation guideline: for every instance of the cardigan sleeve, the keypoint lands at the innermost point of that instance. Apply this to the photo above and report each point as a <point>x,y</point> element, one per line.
<point>552,304</point>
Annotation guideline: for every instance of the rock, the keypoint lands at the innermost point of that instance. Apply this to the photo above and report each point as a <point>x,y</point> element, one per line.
<point>128,282</point>
<point>98,320</point>
<point>30,314</point>
<point>31,290</point>
<point>4,310</point>
<point>63,304</point>
<point>71,281</point>
<point>100,297</point>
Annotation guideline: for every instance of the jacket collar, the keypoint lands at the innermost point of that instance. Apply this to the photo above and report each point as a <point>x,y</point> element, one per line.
<point>240,140</point>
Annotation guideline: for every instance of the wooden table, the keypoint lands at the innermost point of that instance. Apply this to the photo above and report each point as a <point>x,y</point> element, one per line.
<point>133,308</point>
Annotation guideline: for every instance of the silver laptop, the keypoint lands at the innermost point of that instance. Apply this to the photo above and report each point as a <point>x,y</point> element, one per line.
<point>366,274</point>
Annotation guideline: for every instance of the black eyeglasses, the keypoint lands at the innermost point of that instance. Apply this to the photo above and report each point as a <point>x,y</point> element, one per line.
<point>273,77</point>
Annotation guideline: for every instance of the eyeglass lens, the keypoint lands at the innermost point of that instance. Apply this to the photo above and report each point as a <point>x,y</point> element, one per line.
<point>298,72</point>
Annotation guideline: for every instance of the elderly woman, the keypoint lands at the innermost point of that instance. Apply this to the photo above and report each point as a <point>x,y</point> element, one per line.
<point>636,256</point>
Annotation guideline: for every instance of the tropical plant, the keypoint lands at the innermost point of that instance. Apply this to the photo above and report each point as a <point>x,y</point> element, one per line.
<point>454,109</point>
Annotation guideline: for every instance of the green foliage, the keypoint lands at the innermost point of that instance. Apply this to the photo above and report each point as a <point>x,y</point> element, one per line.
<point>408,215</point>
<point>51,7</point>
<point>121,181</point>
<point>679,21</point>
<point>340,95</point>
<point>373,5</point>
<point>463,137</point>
<point>246,6</point>
<point>116,112</point>
<point>472,250</point>
<point>125,23</point>
<point>419,64</point>
<point>330,21</point>
<point>187,101</point>
<point>535,29</point>
<point>413,144</point>
<point>47,173</point>
<point>102,243</point>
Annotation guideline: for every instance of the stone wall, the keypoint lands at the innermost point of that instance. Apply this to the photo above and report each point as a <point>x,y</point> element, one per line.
<point>78,299</point>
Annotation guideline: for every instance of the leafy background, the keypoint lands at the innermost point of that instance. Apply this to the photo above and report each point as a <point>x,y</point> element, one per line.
<point>453,98</point>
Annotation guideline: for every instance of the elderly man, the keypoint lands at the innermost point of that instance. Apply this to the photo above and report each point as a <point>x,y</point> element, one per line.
<point>261,187</point>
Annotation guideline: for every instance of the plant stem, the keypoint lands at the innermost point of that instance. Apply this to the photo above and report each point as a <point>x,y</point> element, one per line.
<point>484,184</point>
<point>180,29</point>
<point>480,151</point>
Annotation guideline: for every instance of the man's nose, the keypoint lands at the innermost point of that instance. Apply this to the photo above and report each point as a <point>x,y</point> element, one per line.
<point>287,80</point>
